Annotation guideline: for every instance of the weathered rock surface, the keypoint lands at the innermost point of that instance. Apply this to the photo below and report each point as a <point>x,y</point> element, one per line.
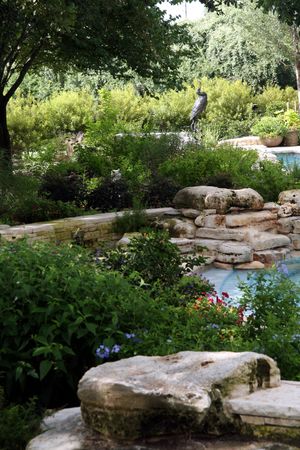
<point>223,199</point>
<point>249,218</point>
<point>222,234</point>
<point>233,252</point>
<point>184,230</point>
<point>151,396</point>
<point>266,241</point>
<point>268,257</point>
<point>193,197</point>
<point>65,430</point>
<point>254,265</point>
<point>209,197</point>
<point>190,213</point>
<point>292,196</point>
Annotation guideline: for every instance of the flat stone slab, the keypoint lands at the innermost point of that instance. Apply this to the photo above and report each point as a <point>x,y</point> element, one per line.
<point>65,430</point>
<point>282,402</point>
<point>144,396</point>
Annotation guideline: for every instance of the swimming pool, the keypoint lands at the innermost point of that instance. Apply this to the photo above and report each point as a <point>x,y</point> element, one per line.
<point>228,280</point>
<point>289,159</point>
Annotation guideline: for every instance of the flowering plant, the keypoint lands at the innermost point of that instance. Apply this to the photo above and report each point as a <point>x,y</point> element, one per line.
<point>221,318</point>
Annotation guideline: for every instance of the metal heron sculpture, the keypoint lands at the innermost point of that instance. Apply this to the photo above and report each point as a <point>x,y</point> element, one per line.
<point>198,108</point>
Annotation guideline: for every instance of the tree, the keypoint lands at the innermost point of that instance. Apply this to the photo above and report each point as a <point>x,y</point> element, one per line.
<point>241,43</point>
<point>87,34</point>
<point>288,11</point>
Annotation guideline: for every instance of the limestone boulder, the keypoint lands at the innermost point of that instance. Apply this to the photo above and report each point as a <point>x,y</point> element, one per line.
<point>267,241</point>
<point>152,396</point>
<point>223,199</point>
<point>249,218</point>
<point>223,234</point>
<point>292,196</point>
<point>234,252</point>
<point>184,230</point>
<point>254,265</point>
<point>184,245</point>
<point>295,239</point>
<point>190,213</point>
<point>286,225</point>
<point>285,210</point>
<point>193,197</point>
<point>268,257</point>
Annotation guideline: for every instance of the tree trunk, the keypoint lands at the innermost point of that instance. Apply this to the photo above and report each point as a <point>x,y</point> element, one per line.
<point>296,38</point>
<point>5,146</point>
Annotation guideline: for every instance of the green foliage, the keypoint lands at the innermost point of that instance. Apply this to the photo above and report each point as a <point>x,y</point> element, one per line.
<point>270,179</point>
<point>18,425</point>
<point>152,257</point>
<point>63,182</point>
<point>133,220</point>
<point>271,302</point>
<point>268,127</point>
<point>31,121</point>
<point>274,99</point>
<point>241,43</point>
<point>197,166</point>
<point>291,119</point>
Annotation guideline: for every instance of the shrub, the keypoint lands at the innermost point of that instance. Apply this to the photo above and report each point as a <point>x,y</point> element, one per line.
<point>58,308</point>
<point>268,127</point>
<point>130,221</point>
<point>36,209</point>
<point>198,166</point>
<point>271,302</point>
<point>63,182</point>
<point>152,257</point>
<point>67,111</point>
<point>275,99</point>
<point>160,192</point>
<point>269,179</point>
<point>110,195</point>
<point>18,424</point>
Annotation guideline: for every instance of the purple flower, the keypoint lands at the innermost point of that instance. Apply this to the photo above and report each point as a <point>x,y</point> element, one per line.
<point>282,268</point>
<point>116,348</point>
<point>129,335</point>
<point>102,352</point>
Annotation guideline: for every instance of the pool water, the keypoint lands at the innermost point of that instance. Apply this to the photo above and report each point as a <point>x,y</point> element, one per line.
<point>289,159</point>
<point>228,280</point>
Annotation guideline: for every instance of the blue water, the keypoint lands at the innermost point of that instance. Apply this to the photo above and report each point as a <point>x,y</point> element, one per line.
<point>289,159</point>
<point>228,280</point>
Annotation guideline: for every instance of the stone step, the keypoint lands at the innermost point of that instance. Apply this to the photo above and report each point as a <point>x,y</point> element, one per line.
<point>277,407</point>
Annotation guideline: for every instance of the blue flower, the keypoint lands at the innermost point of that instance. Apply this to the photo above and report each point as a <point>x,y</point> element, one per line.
<point>116,348</point>
<point>129,335</point>
<point>282,268</point>
<point>102,352</point>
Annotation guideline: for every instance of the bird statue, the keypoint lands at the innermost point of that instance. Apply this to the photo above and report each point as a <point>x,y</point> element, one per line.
<point>198,108</point>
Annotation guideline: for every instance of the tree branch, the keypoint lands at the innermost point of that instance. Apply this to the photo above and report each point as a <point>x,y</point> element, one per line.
<point>23,72</point>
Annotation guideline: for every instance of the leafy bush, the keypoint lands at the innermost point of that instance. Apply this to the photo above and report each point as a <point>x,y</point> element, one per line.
<point>54,319</point>
<point>160,192</point>
<point>152,257</point>
<point>63,182</point>
<point>275,99</point>
<point>37,209</point>
<point>271,303</point>
<point>198,166</point>
<point>111,194</point>
<point>270,179</point>
<point>134,220</point>
<point>18,424</point>
<point>291,119</point>
<point>268,127</point>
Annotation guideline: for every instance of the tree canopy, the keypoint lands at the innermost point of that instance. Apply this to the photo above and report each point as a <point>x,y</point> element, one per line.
<point>287,10</point>
<point>97,34</point>
<point>241,43</point>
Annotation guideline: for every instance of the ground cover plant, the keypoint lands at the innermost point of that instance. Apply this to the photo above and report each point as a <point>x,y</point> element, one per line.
<point>113,304</point>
